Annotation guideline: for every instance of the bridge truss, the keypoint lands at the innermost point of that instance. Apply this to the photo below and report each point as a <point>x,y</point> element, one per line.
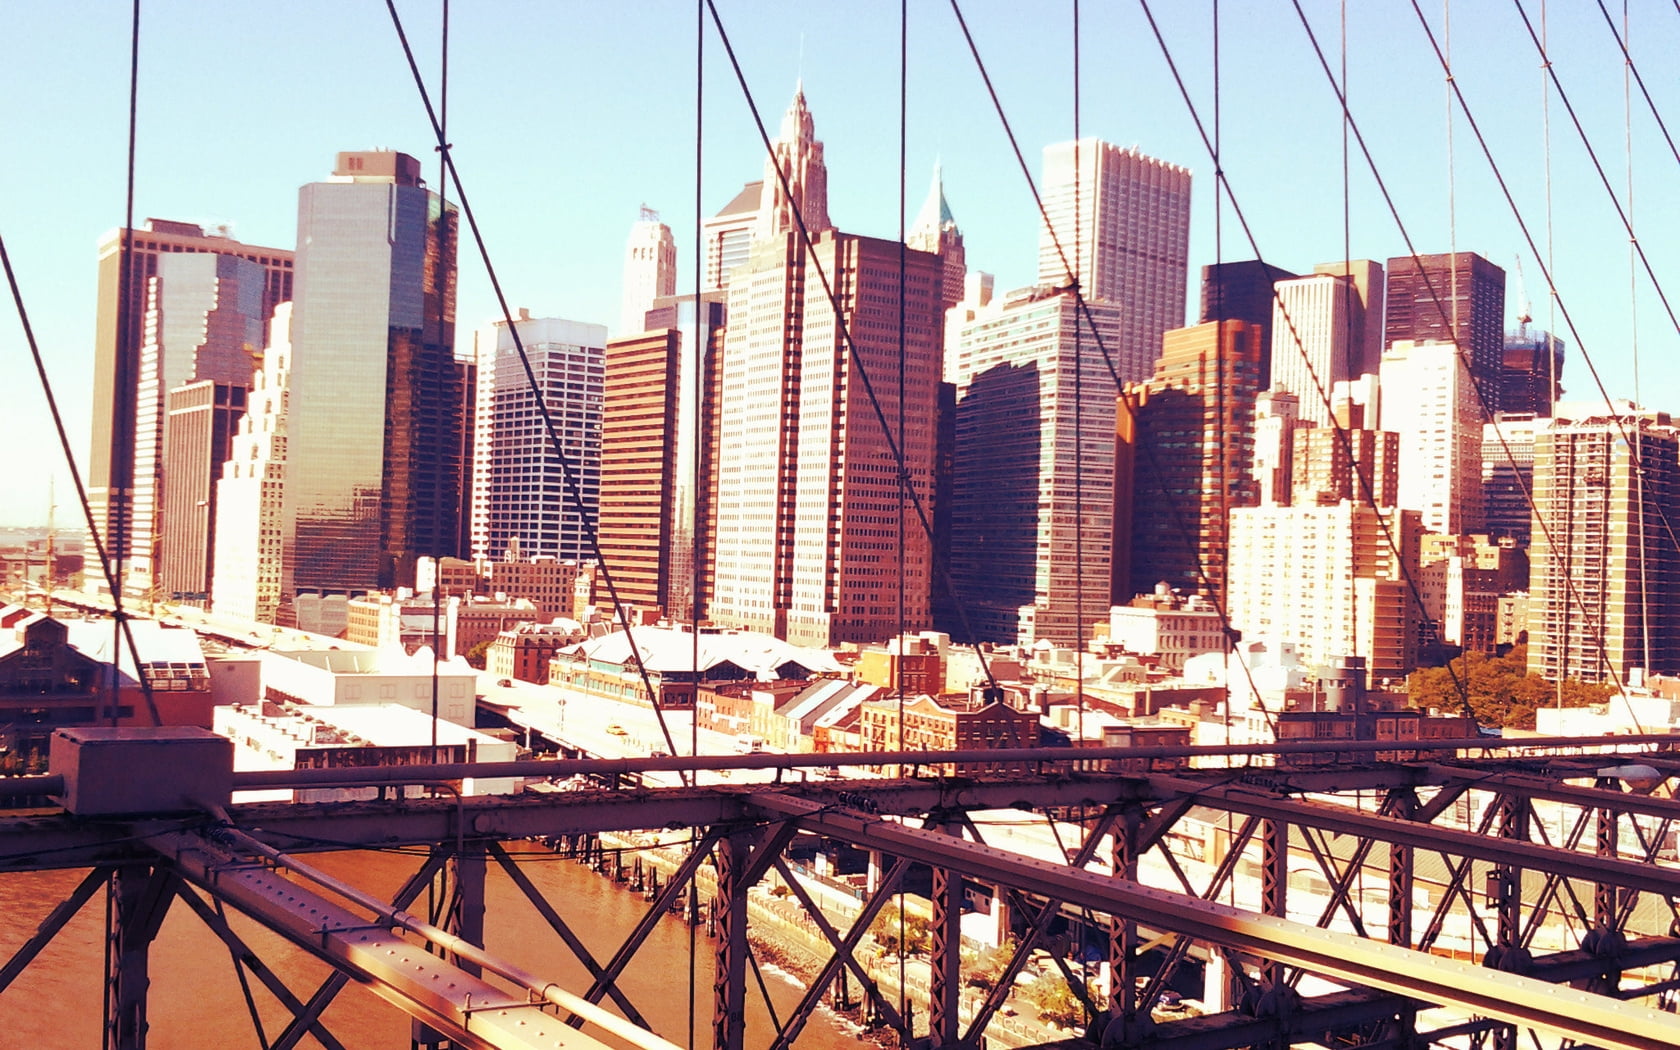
<point>1442,900</point>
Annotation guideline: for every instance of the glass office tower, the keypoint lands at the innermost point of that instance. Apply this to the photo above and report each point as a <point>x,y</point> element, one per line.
<point>374,454</point>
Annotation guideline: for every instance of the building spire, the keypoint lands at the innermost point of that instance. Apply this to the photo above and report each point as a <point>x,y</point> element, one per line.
<point>797,158</point>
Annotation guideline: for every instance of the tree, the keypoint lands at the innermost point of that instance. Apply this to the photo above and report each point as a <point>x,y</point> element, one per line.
<point>1499,689</point>
<point>476,655</point>
<point>1056,1002</point>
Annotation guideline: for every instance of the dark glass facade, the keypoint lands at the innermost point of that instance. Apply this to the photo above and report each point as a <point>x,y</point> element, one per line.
<point>1451,298</point>
<point>374,457</point>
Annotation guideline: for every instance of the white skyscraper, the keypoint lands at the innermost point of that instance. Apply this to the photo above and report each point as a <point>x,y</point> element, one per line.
<point>250,496</point>
<point>521,504</point>
<point>728,236</point>
<point>650,269</point>
<point>1312,340</point>
<point>1430,402</point>
<point>1022,438</point>
<point>1339,555</point>
<point>1121,222</point>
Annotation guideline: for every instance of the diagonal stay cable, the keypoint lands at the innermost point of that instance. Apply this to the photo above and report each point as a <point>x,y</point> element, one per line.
<point>1367,492</point>
<point>123,623</point>
<point>1083,308</point>
<point>573,490</point>
<point>1598,166</point>
<point>1635,459</point>
<point>1405,234</point>
<point>844,329</point>
<point>1545,271</point>
<point>1634,68</point>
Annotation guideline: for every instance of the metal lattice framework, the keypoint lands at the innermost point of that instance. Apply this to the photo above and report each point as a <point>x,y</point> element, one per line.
<point>1439,898</point>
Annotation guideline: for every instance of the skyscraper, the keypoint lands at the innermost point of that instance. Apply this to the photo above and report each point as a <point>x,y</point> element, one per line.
<point>1312,321</point>
<point>728,236</point>
<point>1452,298</point>
<point>374,455</point>
<point>935,231</point>
<point>808,502</point>
<point>246,560</point>
<point>119,341</point>
<point>522,506</point>
<point>204,322</point>
<point>1242,291</point>
<point>795,176</point>
<point>1034,449</point>
<point>650,269</point>
<point>1120,222</point>
<point>1440,426</point>
<point>1330,580</point>
<point>1508,475</point>
<point>1184,460</point>
<point>1604,573</point>
<point>204,418</point>
<point>658,452</point>
<point>1365,340</point>
<point>1531,371</point>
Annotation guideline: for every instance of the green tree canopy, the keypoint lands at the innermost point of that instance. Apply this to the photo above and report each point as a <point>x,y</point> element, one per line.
<point>1501,691</point>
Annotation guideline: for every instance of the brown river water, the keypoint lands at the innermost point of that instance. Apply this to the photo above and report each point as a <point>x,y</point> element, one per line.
<point>195,1000</point>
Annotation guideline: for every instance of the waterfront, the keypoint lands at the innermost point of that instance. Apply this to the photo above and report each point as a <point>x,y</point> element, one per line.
<point>196,1001</point>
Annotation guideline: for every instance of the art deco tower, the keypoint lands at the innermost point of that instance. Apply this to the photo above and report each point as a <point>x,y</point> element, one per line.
<point>374,434</point>
<point>798,158</point>
<point>650,269</point>
<point>935,231</point>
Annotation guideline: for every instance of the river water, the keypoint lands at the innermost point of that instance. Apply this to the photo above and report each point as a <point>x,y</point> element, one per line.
<point>196,1002</point>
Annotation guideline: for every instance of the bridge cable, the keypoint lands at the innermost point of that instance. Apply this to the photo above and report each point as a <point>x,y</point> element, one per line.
<point>573,490</point>
<point>1083,310</point>
<point>1616,419</point>
<point>124,626</point>
<point>1384,522</point>
<point>1623,38</point>
<point>123,635</point>
<point>700,354</point>
<point>1428,283</point>
<point>844,330</point>
<point>1079,417</point>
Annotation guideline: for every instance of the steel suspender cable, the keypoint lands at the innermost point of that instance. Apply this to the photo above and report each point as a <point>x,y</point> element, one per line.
<point>1125,398</point>
<point>573,489</point>
<point>1324,394</point>
<point>844,330</point>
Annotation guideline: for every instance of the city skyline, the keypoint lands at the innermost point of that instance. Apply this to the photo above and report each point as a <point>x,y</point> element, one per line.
<point>557,238</point>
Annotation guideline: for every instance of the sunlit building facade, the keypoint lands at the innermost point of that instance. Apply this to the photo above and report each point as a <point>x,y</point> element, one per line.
<point>522,504</point>
<point>374,460</point>
<point>1033,470</point>
<point>1120,226</point>
<point>203,312</point>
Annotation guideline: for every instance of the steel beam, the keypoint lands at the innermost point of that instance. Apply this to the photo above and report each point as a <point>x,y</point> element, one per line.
<point>138,897</point>
<point>1350,821</point>
<point>729,1003</point>
<point>1520,1000</point>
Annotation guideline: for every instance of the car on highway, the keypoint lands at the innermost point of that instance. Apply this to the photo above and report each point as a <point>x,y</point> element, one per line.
<point>616,730</point>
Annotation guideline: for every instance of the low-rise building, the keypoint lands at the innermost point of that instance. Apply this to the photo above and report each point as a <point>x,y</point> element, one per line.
<point>1170,627</point>
<point>333,677</point>
<point>523,651</point>
<point>676,661</point>
<point>286,736</point>
<point>953,722</point>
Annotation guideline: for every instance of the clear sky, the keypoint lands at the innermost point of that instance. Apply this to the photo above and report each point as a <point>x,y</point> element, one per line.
<point>566,117</point>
